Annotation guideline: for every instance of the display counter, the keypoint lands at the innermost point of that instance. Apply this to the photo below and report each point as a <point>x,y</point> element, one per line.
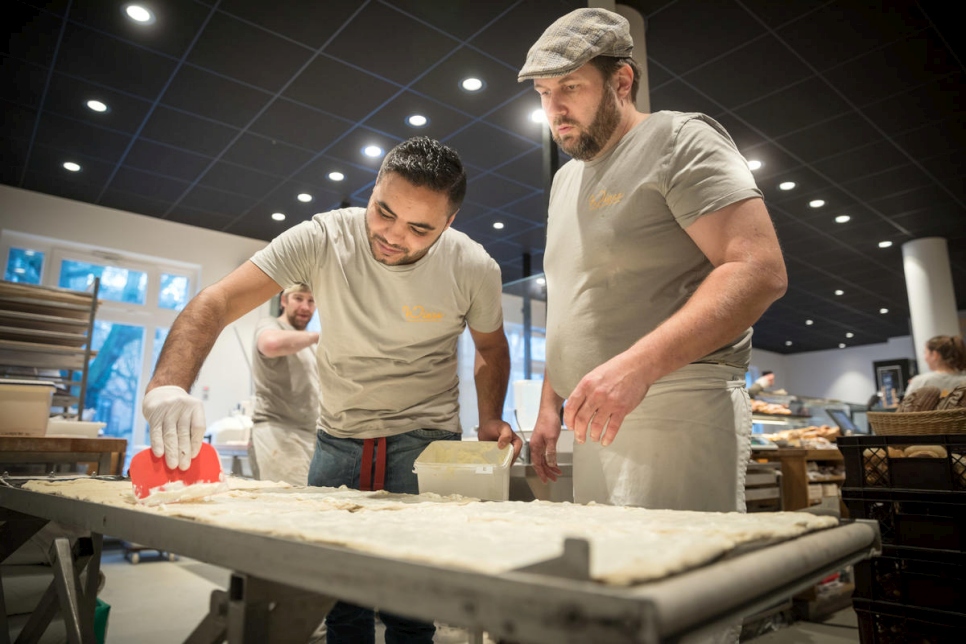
<point>794,468</point>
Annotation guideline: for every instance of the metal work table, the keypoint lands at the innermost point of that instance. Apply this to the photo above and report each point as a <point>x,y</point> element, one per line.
<point>280,586</point>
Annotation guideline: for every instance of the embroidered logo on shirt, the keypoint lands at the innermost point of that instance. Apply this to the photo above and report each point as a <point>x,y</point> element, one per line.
<point>420,314</point>
<point>603,198</point>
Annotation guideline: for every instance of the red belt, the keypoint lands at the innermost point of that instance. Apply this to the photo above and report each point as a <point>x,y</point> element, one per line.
<point>367,482</point>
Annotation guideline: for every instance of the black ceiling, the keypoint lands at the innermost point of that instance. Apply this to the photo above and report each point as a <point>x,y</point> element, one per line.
<point>222,112</point>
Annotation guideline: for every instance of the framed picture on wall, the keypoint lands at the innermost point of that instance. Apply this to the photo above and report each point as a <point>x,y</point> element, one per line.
<point>891,378</point>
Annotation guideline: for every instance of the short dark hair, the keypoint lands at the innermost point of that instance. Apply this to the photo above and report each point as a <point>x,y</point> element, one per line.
<point>607,65</point>
<point>425,162</point>
<point>767,373</point>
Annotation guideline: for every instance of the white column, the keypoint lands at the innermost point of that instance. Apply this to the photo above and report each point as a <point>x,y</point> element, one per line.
<point>929,284</point>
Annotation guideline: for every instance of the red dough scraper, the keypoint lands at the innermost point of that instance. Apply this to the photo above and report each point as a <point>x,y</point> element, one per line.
<point>150,476</point>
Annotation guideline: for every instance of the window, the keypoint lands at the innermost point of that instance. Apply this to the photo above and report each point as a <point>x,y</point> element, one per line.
<point>24,265</point>
<point>174,291</point>
<point>118,284</point>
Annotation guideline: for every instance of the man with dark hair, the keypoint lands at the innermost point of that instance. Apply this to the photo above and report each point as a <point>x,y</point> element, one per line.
<point>660,256</point>
<point>286,379</point>
<point>396,286</point>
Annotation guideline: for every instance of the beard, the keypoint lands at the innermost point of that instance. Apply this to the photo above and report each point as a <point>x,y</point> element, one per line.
<point>297,324</point>
<point>401,259</point>
<point>588,144</point>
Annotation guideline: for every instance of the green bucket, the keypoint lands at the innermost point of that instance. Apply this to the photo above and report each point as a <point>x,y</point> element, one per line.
<point>101,612</point>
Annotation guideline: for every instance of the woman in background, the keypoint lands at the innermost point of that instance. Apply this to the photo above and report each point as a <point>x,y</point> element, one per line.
<point>946,357</point>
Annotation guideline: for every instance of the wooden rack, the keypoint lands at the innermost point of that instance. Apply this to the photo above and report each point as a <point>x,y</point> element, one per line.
<point>45,329</point>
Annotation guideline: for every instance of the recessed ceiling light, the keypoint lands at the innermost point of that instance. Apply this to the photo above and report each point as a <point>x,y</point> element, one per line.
<point>498,225</point>
<point>885,244</point>
<point>139,13</point>
<point>809,322</point>
<point>816,203</point>
<point>850,335</point>
<point>73,167</point>
<point>471,84</point>
<point>883,311</point>
<point>97,106</point>
<point>417,120</point>
<point>538,116</point>
<point>754,164</point>
<point>278,216</point>
<point>336,176</point>
<point>304,197</point>
<point>788,343</point>
<point>786,185</point>
<point>372,151</point>
<point>842,219</point>
<point>541,281</point>
<point>839,291</point>
<point>841,345</point>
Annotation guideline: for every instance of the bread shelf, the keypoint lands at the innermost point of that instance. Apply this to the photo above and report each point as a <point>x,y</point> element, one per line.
<point>45,334</point>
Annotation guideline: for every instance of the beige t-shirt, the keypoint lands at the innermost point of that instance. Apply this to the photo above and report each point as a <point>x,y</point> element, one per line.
<point>286,387</point>
<point>945,381</point>
<point>618,260</point>
<point>387,356</point>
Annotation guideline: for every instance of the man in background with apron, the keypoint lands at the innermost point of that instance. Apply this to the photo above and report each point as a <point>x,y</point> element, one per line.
<point>286,391</point>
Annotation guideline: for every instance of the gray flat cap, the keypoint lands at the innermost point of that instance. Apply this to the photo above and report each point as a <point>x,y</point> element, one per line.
<point>574,39</point>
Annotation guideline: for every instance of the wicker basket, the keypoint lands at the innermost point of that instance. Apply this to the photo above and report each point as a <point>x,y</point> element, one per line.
<point>947,421</point>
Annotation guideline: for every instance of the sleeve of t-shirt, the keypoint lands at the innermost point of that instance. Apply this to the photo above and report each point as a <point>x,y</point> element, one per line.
<point>289,258</point>
<point>705,171</point>
<point>260,327</point>
<point>485,314</point>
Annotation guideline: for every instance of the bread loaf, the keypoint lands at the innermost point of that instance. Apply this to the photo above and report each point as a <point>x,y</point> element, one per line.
<point>922,399</point>
<point>926,451</point>
<point>876,466</point>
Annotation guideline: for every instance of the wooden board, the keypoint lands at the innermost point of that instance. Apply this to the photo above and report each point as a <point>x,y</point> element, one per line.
<point>42,322</point>
<point>14,353</point>
<point>45,293</point>
<point>40,336</point>
<point>45,307</point>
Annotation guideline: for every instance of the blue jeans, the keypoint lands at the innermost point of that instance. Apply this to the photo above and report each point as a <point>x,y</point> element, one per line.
<point>337,461</point>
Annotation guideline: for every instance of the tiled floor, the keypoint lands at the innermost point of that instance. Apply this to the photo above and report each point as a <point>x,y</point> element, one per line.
<point>159,602</point>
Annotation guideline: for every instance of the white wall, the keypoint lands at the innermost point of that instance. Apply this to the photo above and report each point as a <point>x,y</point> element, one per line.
<point>226,372</point>
<point>839,374</point>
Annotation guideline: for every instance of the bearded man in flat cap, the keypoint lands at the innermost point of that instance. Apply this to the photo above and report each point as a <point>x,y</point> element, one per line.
<point>660,256</point>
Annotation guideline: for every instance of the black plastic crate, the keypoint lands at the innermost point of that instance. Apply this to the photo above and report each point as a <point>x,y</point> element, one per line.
<point>868,464</point>
<point>914,577</point>
<point>934,520</point>
<point>886,623</point>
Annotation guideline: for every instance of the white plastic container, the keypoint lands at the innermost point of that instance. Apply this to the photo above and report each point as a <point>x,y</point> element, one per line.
<point>470,468</point>
<point>25,407</point>
<point>74,428</point>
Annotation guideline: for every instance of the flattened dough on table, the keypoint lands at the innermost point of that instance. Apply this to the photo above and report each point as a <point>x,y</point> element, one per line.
<point>627,545</point>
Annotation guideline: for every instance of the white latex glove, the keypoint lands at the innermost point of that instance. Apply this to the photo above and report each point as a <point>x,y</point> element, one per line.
<point>177,423</point>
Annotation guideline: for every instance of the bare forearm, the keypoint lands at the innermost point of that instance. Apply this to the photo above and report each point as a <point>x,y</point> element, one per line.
<point>274,343</point>
<point>492,372</point>
<point>190,340</point>
<point>731,299</point>
<point>549,400</point>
